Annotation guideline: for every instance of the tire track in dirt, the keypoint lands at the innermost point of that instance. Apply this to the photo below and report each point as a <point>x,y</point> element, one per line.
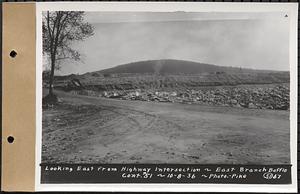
<point>141,125</point>
<point>136,123</point>
<point>155,119</point>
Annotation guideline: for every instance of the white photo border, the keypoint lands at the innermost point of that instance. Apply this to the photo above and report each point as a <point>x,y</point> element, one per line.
<point>291,8</point>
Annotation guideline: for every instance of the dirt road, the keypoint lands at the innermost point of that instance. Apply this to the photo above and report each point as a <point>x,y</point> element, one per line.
<point>98,130</point>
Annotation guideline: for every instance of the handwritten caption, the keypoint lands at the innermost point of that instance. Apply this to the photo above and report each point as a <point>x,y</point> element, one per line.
<point>171,173</point>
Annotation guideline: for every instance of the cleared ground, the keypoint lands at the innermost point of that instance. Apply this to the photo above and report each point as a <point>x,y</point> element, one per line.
<point>86,129</point>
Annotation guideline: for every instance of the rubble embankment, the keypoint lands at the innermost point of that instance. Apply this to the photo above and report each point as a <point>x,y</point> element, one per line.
<point>272,96</point>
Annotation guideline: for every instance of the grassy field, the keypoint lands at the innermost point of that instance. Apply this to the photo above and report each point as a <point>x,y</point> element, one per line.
<point>84,129</point>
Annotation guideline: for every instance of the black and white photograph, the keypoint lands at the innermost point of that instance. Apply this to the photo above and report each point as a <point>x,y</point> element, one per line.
<point>173,87</point>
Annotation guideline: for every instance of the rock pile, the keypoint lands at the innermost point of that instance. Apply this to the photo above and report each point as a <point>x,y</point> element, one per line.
<point>272,97</point>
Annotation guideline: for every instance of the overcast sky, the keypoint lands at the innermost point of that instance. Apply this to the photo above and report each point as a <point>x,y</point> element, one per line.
<point>249,40</point>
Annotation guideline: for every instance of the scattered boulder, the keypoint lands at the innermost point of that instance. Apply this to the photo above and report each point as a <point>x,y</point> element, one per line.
<point>251,105</point>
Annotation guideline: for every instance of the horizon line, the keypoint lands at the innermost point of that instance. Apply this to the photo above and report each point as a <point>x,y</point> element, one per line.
<point>174,60</point>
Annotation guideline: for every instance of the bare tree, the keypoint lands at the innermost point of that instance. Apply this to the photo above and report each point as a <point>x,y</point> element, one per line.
<point>60,29</point>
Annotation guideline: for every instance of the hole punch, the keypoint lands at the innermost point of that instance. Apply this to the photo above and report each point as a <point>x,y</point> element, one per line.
<point>13,54</point>
<point>10,139</point>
